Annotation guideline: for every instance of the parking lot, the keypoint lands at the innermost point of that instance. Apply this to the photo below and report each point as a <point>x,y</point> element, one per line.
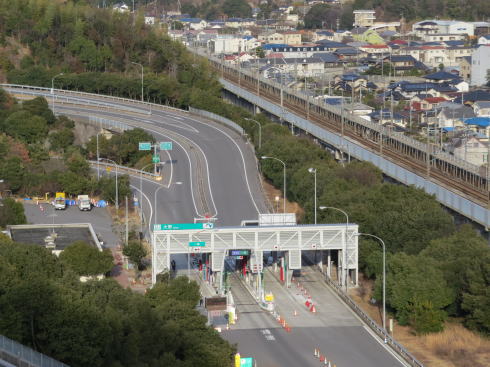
<point>99,218</point>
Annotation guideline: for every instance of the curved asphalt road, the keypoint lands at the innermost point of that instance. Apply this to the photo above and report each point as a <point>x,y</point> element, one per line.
<point>219,158</point>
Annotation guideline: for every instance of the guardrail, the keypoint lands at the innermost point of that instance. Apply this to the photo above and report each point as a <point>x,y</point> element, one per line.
<point>105,96</point>
<point>124,169</point>
<point>397,347</point>
<point>95,120</point>
<point>20,355</point>
<point>218,118</point>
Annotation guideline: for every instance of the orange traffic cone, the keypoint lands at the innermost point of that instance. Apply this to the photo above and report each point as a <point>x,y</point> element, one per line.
<point>316,353</point>
<point>322,357</point>
<point>307,303</point>
<point>313,308</point>
<point>295,313</point>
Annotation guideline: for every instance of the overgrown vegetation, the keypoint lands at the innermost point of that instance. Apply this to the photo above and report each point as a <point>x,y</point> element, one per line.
<point>98,323</point>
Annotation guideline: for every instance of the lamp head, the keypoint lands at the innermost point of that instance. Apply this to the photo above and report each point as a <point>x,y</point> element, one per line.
<point>322,207</point>
<point>264,157</point>
<point>312,170</point>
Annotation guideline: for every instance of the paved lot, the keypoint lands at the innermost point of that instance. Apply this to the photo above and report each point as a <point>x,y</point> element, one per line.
<point>98,217</point>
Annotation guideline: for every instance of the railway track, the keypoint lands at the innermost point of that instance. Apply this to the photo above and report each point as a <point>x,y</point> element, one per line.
<point>478,195</point>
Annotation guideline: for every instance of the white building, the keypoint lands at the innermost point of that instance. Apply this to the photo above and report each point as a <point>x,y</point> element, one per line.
<point>480,65</point>
<point>443,27</point>
<point>229,44</point>
<point>484,40</point>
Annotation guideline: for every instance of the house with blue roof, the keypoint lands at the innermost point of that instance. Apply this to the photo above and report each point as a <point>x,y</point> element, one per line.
<point>194,23</point>
<point>484,40</point>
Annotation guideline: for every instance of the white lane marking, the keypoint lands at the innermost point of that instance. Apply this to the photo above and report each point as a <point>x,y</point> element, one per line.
<point>171,168</point>
<point>242,156</point>
<point>267,334</point>
<point>149,203</point>
<point>179,124</point>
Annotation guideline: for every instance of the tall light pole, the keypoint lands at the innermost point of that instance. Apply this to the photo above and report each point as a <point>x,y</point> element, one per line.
<point>142,78</point>
<point>155,202</point>
<point>141,196</point>
<point>260,130</point>
<point>346,268</point>
<point>52,90</point>
<point>313,170</point>
<point>117,188</point>
<point>384,273</point>
<point>284,179</point>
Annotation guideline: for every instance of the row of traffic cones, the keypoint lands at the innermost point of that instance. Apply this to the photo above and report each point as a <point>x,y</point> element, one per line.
<point>284,324</point>
<point>323,358</point>
<point>310,305</point>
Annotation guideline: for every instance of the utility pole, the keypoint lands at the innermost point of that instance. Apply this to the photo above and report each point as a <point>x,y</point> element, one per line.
<point>127,224</point>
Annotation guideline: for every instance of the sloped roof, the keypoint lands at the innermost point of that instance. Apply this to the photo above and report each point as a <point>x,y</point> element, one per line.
<point>440,75</point>
<point>478,121</point>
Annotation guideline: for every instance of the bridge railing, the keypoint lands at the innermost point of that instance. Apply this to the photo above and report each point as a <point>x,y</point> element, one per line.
<point>383,334</point>
<point>221,119</point>
<point>20,355</point>
<point>337,110</point>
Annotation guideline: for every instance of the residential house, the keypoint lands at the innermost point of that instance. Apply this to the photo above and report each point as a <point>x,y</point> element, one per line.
<point>479,125</point>
<point>456,54</point>
<point>229,44</point>
<point>471,149</point>
<point>323,35</point>
<point>369,36</point>
<point>359,109</point>
<point>439,37</point>
<point>194,23</point>
<point>443,27</point>
<point>292,38</point>
<point>420,103</point>
<point>364,18</point>
<point>386,117</point>
<point>482,108</point>
<point>401,63</point>
<point>441,77</point>
<point>329,58</point>
<point>484,40</point>
<point>301,67</point>
<point>450,114</point>
<point>480,66</point>
<point>379,49</point>
<point>465,68</point>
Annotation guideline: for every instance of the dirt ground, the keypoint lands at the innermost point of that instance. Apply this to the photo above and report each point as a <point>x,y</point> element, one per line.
<point>456,346</point>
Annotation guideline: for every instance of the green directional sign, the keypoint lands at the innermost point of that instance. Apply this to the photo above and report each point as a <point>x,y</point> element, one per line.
<point>166,145</point>
<point>182,226</point>
<point>145,146</point>
<point>155,159</point>
<point>197,244</point>
<point>246,362</point>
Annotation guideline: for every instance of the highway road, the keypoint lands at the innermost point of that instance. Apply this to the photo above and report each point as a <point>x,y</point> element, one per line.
<point>212,171</point>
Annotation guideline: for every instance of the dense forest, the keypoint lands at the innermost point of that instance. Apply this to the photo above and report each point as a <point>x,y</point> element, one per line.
<point>45,306</point>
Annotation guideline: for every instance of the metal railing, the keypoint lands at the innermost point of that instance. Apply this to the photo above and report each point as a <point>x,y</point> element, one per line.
<point>130,170</point>
<point>95,120</point>
<point>149,105</point>
<point>218,118</point>
<point>394,345</point>
<point>20,355</point>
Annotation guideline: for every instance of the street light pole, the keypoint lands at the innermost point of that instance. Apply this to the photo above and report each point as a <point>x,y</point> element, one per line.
<point>142,78</point>
<point>260,130</point>
<point>52,90</point>
<point>141,196</point>
<point>346,268</point>
<point>384,273</point>
<point>117,188</point>
<point>284,179</point>
<point>313,170</point>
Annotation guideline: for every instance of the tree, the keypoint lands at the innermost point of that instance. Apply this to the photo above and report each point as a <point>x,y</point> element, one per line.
<point>321,16</point>
<point>11,212</point>
<point>39,107</point>
<point>62,139</point>
<point>26,127</point>
<point>237,8</point>
<point>135,252</point>
<point>86,260</point>
<point>412,283</point>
